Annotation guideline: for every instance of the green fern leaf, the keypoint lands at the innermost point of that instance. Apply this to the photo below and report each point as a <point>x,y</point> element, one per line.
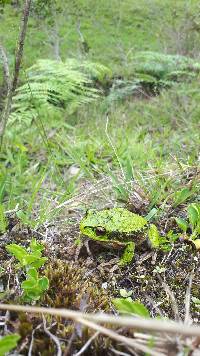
<point>50,84</point>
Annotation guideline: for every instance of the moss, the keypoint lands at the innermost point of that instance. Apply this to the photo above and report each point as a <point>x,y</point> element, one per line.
<point>25,325</point>
<point>71,287</point>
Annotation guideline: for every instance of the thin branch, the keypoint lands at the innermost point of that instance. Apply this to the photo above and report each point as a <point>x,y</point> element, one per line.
<point>32,340</point>
<point>84,44</point>
<point>188,318</point>
<point>18,60</point>
<point>153,325</point>
<point>6,70</point>
<point>53,337</point>
<point>120,338</point>
<point>87,344</point>
<point>56,42</point>
<point>20,45</point>
<point>172,298</point>
<point>120,353</point>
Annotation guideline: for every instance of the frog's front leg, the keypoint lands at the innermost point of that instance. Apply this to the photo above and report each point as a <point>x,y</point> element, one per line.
<point>128,254</point>
<point>80,242</point>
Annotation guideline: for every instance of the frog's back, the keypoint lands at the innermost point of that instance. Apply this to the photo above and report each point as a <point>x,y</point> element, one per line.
<point>117,219</point>
<point>124,220</point>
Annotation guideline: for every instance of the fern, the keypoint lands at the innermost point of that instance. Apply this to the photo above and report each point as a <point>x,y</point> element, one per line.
<point>52,84</point>
<point>153,71</point>
<point>160,65</point>
<point>122,89</point>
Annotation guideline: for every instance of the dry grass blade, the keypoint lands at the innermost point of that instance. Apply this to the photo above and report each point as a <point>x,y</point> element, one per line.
<point>120,338</point>
<point>116,352</point>
<point>4,58</point>
<point>100,186</point>
<point>53,337</point>
<point>114,150</point>
<point>152,325</point>
<point>188,299</point>
<point>87,344</point>
<point>171,296</point>
<point>32,340</point>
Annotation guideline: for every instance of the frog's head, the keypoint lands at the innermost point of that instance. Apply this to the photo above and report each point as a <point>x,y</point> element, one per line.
<point>93,225</point>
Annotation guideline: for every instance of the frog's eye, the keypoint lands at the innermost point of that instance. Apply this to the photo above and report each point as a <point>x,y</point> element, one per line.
<point>100,231</point>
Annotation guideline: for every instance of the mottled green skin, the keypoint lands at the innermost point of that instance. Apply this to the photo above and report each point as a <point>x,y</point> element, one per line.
<point>117,228</point>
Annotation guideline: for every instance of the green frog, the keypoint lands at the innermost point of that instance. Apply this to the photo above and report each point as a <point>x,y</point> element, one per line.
<point>119,228</point>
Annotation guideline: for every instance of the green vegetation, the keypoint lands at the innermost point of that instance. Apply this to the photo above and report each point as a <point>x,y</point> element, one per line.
<point>52,84</point>
<point>7,343</point>
<point>31,260</point>
<point>127,306</point>
<point>193,224</point>
<point>3,220</point>
<point>105,118</point>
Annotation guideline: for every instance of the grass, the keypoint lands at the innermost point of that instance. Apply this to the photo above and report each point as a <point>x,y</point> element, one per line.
<point>37,159</point>
<point>114,31</point>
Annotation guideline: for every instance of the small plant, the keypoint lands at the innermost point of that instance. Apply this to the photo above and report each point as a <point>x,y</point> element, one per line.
<point>162,242</point>
<point>28,258</point>
<point>128,306</point>
<point>34,286</point>
<point>3,220</point>
<point>181,196</point>
<point>124,293</point>
<point>191,226</point>
<point>159,269</point>
<point>8,343</point>
<point>196,302</point>
<point>154,236</point>
<point>31,260</point>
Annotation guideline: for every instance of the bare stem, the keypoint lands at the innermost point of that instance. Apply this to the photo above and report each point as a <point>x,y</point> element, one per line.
<point>18,60</point>
<point>152,325</point>
<point>6,71</point>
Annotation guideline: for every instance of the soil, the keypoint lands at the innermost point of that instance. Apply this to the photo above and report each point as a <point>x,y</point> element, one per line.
<point>160,280</point>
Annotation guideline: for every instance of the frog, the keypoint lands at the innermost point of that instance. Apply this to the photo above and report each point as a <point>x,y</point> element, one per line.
<point>119,228</point>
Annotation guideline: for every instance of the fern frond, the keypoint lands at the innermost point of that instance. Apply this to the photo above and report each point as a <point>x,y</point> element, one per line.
<point>122,89</point>
<point>51,83</point>
<point>160,65</point>
<point>154,71</point>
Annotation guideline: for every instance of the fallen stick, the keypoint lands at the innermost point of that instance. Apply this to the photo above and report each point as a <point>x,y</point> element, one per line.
<point>154,325</point>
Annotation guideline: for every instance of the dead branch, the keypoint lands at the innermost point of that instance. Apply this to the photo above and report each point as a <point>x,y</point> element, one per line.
<point>152,325</point>
<point>6,71</point>
<point>18,60</point>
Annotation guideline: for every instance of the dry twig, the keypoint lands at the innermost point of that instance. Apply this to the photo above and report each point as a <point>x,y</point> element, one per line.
<point>52,337</point>
<point>18,59</point>
<point>151,325</point>
<point>87,344</point>
<point>5,67</point>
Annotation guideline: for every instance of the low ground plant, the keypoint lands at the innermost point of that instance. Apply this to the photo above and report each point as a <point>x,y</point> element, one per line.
<point>30,260</point>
